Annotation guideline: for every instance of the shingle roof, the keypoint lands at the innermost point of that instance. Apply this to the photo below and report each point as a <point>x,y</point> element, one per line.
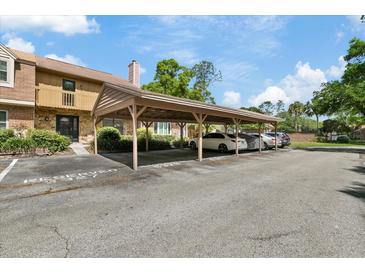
<point>71,69</point>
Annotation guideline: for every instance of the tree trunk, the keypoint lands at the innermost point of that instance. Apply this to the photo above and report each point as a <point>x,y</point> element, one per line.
<point>317,118</point>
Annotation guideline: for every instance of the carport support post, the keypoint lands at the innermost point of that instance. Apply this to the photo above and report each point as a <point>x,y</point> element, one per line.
<point>133,111</point>
<point>225,128</point>
<point>259,137</point>
<point>95,137</point>
<point>147,125</point>
<point>276,137</point>
<point>200,119</point>
<point>181,125</point>
<point>236,122</point>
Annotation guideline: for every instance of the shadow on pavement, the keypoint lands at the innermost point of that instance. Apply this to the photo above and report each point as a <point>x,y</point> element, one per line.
<point>357,190</point>
<point>337,149</point>
<point>163,156</point>
<point>358,169</point>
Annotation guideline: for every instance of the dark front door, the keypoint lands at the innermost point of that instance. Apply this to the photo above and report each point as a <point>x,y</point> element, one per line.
<point>68,126</point>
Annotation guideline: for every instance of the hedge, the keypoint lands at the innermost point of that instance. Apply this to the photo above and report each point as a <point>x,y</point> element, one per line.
<point>109,139</point>
<point>47,140</point>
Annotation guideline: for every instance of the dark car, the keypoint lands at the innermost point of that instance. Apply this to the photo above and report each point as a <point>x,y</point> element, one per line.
<point>284,137</point>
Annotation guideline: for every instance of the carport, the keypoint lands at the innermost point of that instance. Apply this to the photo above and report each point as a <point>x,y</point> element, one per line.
<point>132,103</point>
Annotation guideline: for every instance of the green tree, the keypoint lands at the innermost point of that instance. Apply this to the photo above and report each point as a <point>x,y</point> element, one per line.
<point>279,106</point>
<point>348,93</point>
<point>312,108</point>
<point>296,110</point>
<point>252,108</point>
<point>205,74</point>
<point>171,79</point>
<point>267,107</point>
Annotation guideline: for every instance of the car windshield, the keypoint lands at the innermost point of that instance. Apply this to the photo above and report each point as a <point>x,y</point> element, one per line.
<point>231,136</point>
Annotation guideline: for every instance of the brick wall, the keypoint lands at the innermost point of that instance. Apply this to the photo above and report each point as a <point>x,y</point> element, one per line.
<point>24,84</point>
<point>19,117</point>
<point>45,118</point>
<point>302,137</point>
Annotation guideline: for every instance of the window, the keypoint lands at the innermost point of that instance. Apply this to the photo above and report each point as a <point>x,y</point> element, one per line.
<point>3,119</point>
<point>68,85</point>
<point>163,128</point>
<point>3,71</point>
<point>217,136</point>
<point>113,122</point>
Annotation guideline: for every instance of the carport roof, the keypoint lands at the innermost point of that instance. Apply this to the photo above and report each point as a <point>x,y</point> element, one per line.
<point>113,101</point>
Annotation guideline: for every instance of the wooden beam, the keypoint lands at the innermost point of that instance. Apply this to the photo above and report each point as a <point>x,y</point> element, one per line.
<point>133,111</point>
<point>260,138</point>
<point>141,111</point>
<point>95,136</point>
<point>276,137</point>
<point>200,145</point>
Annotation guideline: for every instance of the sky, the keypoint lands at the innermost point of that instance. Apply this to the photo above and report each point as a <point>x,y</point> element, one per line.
<point>261,57</point>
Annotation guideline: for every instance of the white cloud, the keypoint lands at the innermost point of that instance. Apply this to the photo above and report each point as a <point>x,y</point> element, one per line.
<point>232,99</point>
<point>18,43</point>
<point>339,36</point>
<point>233,71</point>
<point>297,86</point>
<point>337,71</point>
<point>68,58</point>
<point>69,25</point>
<point>50,44</point>
<point>186,56</point>
<point>272,93</point>
<point>266,23</point>
<point>355,24</point>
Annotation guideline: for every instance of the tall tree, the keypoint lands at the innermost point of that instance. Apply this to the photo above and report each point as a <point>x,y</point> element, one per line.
<point>279,106</point>
<point>296,109</point>
<point>267,107</point>
<point>313,108</point>
<point>252,108</point>
<point>347,94</point>
<point>205,75</point>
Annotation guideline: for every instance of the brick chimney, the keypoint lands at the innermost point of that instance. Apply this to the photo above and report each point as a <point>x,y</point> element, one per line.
<point>134,73</point>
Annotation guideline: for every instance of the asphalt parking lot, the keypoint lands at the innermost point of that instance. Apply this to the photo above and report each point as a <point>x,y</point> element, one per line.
<point>284,204</point>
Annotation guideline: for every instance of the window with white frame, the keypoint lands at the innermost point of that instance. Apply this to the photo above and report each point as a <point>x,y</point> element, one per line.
<point>6,72</point>
<point>163,128</point>
<point>3,119</point>
<point>3,71</point>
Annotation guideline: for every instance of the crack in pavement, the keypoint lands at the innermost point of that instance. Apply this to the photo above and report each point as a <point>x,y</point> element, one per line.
<point>55,229</point>
<point>274,236</point>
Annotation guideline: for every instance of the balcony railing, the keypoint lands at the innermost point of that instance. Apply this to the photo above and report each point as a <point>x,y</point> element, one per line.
<point>80,100</point>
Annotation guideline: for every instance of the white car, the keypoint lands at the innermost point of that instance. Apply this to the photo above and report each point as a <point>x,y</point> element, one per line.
<point>269,142</point>
<point>219,141</point>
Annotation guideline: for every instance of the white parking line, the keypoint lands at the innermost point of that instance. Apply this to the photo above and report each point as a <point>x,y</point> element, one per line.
<point>6,170</point>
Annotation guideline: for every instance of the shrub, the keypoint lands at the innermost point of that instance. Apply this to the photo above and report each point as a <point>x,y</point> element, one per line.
<point>108,138</point>
<point>49,140</point>
<point>5,134</point>
<point>18,145</point>
<point>343,139</point>
<point>177,143</point>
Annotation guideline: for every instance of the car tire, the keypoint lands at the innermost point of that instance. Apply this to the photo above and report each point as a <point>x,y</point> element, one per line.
<point>222,148</point>
<point>193,145</point>
<point>266,146</point>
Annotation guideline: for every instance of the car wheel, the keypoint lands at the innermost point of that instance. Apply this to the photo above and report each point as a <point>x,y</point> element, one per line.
<point>266,146</point>
<point>193,145</point>
<point>222,148</point>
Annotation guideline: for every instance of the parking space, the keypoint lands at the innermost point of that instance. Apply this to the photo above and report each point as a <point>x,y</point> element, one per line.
<point>165,156</point>
<point>253,205</point>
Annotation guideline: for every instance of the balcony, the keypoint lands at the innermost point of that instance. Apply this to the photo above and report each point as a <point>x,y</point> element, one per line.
<point>55,98</point>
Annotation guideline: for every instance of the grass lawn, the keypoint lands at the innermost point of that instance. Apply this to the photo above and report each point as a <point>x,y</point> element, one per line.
<point>301,145</point>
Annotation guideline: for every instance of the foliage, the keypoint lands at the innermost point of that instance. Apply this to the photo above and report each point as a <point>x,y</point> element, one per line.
<point>173,79</point>
<point>6,133</point>
<point>50,140</point>
<point>304,145</point>
<point>334,125</point>
<point>18,145</point>
<point>296,110</point>
<point>346,95</point>
<point>267,107</point>
<point>205,74</point>
<point>181,143</point>
<point>109,139</point>
<point>252,108</point>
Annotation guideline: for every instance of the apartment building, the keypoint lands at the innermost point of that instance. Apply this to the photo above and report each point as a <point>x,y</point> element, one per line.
<point>38,92</point>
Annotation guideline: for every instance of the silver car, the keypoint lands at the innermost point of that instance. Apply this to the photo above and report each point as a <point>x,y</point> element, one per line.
<point>252,141</point>
<point>269,142</point>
